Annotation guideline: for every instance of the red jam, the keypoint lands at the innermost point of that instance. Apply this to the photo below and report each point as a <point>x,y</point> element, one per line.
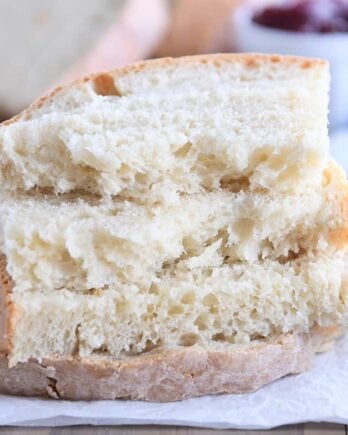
<point>320,16</point>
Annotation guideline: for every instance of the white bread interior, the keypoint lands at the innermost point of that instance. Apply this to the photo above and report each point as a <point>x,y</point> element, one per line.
<point>228,304</point>
<point>83,245</point>
<point>170,126</point>
<point>175,204</point>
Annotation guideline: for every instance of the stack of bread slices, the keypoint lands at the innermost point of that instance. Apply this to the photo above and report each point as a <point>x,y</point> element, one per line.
<point>171,229</point>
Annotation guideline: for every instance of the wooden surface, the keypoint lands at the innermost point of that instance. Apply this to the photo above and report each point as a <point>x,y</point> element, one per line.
<point>300,429</point>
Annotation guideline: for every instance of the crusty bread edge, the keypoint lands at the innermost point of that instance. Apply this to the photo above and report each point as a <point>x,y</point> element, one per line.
<point>7,308</point>
<point>338,196</point>
<point>250,60</point>
<point>167,375</point>
<point>161,375</point>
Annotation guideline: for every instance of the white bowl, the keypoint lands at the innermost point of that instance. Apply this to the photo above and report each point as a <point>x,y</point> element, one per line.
<point>252,37</point>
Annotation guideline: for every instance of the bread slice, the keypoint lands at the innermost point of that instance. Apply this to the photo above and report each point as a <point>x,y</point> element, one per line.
<point>216,267</point>
<point>66,242</point>
<point>169,126</point>
<point>171,229</point>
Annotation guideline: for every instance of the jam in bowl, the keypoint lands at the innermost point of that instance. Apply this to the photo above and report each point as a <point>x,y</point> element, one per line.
<point>321,16</point>
<point>311,28</point>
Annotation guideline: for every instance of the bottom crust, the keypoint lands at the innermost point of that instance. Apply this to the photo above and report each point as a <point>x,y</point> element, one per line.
<point>167,375</point>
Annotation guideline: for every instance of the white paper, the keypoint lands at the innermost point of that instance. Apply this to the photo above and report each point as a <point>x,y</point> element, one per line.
<point>321,394</point>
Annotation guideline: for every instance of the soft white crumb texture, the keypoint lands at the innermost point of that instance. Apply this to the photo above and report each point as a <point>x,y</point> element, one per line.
<point>176,128</point>
<point>175,203</point>
<point>206,306</point>
<point>50,244</point>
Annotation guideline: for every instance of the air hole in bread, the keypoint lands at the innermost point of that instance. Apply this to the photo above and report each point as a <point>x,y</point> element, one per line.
<point>122,306</point>
<point>202,322</point>
<point>191,246</point>
<point>188,298</point>
<point>102,350</point>
<point>104,85</point>
<point>234,185</point>
<point>124,170</point>
<point>219,337</point>
<point>188,339</point>
<point>175,309</point>
<point>244,228</point>
<point>150,345</point>
<point>76,349</point>
<point>184,150</point>
<point>153,289</point>
<point>292,256</point>
<point>210,300</point>
<point>212,162</point>
<point>141,178</point>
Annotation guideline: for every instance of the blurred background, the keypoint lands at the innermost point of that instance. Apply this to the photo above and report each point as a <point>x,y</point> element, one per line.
<point>45,43</point>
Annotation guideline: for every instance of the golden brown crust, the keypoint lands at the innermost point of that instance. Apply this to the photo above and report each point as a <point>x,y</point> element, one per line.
<point>167,375</point>
<point>251,60</point>
<point>335,175</point>
<point>7,308</point>
<point>28,379</point>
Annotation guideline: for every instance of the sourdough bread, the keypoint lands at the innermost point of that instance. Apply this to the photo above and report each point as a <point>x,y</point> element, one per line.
<point>171,229</point>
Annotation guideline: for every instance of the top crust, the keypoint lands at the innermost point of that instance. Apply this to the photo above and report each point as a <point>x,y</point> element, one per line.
<point>251,61</point>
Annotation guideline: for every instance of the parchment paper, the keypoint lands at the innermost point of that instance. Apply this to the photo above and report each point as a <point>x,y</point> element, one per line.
<point>321,394</point>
